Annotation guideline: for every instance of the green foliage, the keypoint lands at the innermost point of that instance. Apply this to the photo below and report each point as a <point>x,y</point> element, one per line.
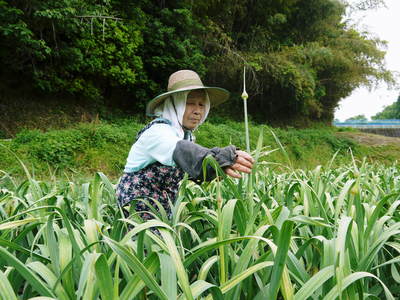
<point>172,42</point>
<point>17,38</point>
<point>88,146</point>
<point>26,136</point>
<point>389,112</point>
<point>104,146</point>
<point>358,118</point>
<point>95,50</point>
<point>301,55</point>
<point>303,59</point>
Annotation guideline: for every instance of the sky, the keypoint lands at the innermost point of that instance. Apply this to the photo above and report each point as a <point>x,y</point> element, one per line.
<point>385,24</point>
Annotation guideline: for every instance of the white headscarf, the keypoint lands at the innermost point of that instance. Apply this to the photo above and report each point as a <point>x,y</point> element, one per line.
<point>167,111</point>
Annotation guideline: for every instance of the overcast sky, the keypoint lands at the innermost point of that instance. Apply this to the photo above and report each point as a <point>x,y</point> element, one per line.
<point>384,23</point>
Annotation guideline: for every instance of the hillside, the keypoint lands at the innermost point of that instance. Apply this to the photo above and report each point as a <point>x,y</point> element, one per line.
<point>85,148</point>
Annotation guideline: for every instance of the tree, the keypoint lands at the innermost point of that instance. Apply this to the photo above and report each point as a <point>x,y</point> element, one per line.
<point>358,118</point>
<point>302,57</point>
<point>97,50</point>
<point>389,112</point>
<point>70,46</point>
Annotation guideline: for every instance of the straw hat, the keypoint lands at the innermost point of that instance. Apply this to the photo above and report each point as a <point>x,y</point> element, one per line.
<point>187,80</point>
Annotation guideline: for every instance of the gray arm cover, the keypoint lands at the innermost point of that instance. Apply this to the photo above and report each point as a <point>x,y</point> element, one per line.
<point>189,157</point>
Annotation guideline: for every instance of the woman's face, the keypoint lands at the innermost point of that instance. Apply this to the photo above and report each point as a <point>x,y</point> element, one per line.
<point>195,109</point>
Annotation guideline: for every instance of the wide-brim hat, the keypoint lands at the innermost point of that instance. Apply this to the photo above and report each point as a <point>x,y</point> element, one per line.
<point>187,80</point>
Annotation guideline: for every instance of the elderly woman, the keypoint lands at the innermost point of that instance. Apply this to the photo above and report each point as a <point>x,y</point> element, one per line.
<point>164,149</point>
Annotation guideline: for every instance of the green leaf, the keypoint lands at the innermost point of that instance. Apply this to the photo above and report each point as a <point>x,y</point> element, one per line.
<point>36,283</point>
<point>314,283</point>
<point>6,290</point>
<point>180,269</point>
<point>137,266</point>
<point>135,284</point>
<point>49,277</point>
<point>347,281</point>
<point>231,283</point>
<point>104,278</point>
<point>168,276</point>
<point>280,258</point>
<point>14,224</point>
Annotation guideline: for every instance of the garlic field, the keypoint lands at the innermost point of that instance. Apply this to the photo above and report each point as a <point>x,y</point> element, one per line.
<point>328,233</point>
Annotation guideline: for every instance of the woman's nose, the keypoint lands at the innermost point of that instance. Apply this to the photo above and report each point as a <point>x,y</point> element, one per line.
<point>197,109</point>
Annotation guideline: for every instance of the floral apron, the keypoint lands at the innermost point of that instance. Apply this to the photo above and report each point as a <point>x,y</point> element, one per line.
<point>154,182</point>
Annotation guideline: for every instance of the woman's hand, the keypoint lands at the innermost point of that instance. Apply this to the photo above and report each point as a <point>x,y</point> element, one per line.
<point>244,163</point>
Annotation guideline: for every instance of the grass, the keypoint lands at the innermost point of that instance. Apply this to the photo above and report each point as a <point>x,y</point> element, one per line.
<point>86,148</point>
<point>323,233</point>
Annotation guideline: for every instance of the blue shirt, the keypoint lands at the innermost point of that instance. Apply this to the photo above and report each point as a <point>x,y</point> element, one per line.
<point>155,144</point>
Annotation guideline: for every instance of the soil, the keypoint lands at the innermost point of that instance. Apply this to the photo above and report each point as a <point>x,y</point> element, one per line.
<point>370,139</point>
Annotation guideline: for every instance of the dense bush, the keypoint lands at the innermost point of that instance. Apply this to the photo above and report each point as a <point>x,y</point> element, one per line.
<point>86,147</point>
<point>99,51</point>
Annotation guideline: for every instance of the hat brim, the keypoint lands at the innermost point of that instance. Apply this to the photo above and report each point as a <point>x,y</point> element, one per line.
<point>215,94</point>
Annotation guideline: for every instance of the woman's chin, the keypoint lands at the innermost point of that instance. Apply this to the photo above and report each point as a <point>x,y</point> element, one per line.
<point>191,125</point>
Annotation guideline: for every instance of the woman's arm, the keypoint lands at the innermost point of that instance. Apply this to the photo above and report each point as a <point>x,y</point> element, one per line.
<point>190,156</point>
<point>160,143</point>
